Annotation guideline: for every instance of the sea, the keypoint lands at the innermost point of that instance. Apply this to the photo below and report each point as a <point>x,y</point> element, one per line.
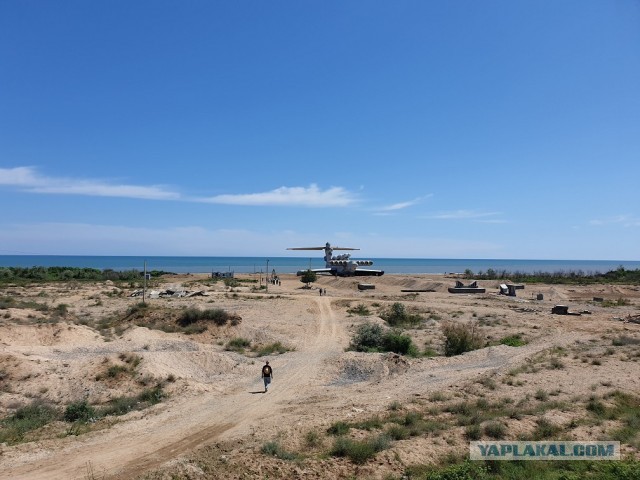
<point>185,264</point>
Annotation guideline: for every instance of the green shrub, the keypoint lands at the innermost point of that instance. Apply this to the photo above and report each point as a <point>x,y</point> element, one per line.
<point>473,431</point>
<point>137,310</point>
<point>460,338</point>
<point>272,348</point>
<point>368,338</point>
<point>274,449</point>
<point>556,364</point>
<point>231,282</point>
<point>411,418</point>
<point>115,370</point>
<point>541,395</point>
<point>238,344</point>
<point>119,406</point>
<point>309,276</point>
<point>397,316</point>
<point>513,341</point>
<point>545,429</point>
<point>397,432</point>
<point>339,428</point>
<point>625,340</point>
<point>596,407</point>
<point>312,439</point>
<point>372,338</point>
<point>495,430</point>
<point>79,412</point>
<point>359,451</point>
<point>398,343</point>
<point>152,395</point>
<point>193,315</point>
<point>24,420</point>
<point>123,405</point>
<point>359,310</point>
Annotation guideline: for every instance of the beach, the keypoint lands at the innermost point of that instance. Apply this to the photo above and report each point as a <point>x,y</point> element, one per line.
<point>200,408</point>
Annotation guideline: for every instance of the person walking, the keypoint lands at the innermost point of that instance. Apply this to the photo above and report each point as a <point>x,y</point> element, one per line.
<point>267,375</point>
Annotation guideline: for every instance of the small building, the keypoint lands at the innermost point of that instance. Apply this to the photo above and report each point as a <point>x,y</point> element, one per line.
<point>222,274</point>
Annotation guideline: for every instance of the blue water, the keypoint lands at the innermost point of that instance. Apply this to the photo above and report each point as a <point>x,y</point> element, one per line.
<point>293,264</point>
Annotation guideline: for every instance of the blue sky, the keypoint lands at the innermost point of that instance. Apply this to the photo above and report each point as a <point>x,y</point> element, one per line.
<point>459,129</point>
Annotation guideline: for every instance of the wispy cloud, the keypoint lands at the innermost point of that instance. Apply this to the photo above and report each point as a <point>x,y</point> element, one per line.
<point>492,220</point>
<point>402,205</point>
<point>310,196</point>
<point>463,215</point>
<point>625,220</point>
<point>27,179</point>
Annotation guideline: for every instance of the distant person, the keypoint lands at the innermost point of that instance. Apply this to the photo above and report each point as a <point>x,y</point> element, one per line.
<point>267,375</point>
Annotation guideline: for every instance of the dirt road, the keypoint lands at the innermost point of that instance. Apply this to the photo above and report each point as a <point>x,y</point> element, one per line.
<point>315,382</point>
<point>131,448</point>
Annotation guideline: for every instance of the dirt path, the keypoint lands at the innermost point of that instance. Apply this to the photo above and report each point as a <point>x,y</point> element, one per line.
<point>182,424</point>
<point>132,448</point>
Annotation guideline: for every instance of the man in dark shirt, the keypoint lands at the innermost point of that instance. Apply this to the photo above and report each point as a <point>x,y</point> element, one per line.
<point>267,375</point>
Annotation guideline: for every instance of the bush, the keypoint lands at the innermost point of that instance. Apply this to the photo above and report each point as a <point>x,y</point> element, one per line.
<point>473,432</point>
<point>359,451</point>
<point>398,432</point>
<point>460,338</point>
<point>623,340</point>
<point>339,428</point>
<point>313,439</point>
<point>397,343</point>
<point>371,338</point>
<point>513,341</point>
<point>398,316</point>
<point>368,338</point>
<point>541,395</point>
<point>495,430</point>
<point>24,420</point>
<point>193,315</point>
<point>238,344</point>
<point>272,348</point>
<point>79,412</point>
<point>545,429</point>
<point>359,310</point>
<point>309,276</point>
<point>119,406</point>
<point>152,395</point>
<point>275,450</point>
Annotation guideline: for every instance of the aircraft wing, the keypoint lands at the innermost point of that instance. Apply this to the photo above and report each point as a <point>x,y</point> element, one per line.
<point>315,270</point>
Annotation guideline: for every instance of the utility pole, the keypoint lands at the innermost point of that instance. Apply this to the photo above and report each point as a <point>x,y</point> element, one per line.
<point>144,285</point>
<point>267,276</point>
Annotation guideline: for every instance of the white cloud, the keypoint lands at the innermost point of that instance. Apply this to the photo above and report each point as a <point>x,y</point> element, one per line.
<point>625,220</point>
<point>27,179</point>
<point>462,215</point>
<point>402,205</point>
<point>311,196</point>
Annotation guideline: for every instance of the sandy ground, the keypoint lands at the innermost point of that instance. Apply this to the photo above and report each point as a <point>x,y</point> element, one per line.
<point>215,396</point>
